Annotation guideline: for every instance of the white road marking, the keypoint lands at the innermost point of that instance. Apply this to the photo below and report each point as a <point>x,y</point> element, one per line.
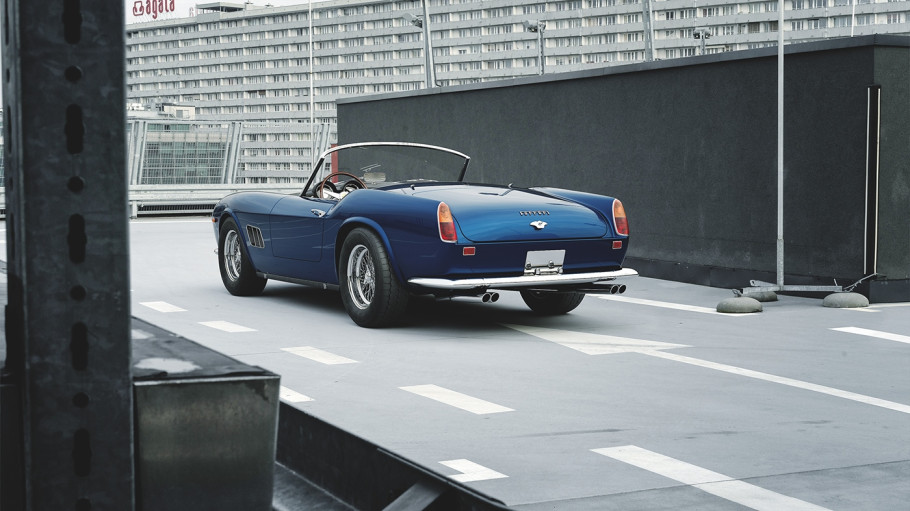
<point>821,389</point>
<point>292,396</point>
<point>889,305</point>
<point>456,399</point>
<point>874,333</point>
<point>318,355</point>
<point>595,344</point>
<point>711,482</point>
<point>226,326</point>
<point>668,305</point>
<point>162,307</point>
<point>471,471</point>
<point>140,334</point>
<point>623,345</point>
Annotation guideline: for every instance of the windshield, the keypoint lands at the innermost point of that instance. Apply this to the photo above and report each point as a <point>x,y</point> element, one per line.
<point>380,164</point>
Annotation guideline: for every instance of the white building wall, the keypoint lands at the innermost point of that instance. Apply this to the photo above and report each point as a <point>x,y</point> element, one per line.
<point>258,66</point>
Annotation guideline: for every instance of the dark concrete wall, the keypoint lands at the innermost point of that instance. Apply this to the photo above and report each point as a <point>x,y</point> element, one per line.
<point>893,255</point>
<point>690,147</point>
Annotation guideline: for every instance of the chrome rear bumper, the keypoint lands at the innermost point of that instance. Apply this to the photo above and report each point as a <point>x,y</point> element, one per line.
<point>535,281</point>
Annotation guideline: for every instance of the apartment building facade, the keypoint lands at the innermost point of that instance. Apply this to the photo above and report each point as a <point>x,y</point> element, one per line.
<point>279,70</point>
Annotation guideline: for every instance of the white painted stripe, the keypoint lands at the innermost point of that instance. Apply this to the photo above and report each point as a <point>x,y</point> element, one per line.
<point>456,399</point>
<point>860,398</point>
<point>226,326</point>
<point>471,471</point>
<point>711,482</point>
<point>595,344</point>
<point>873,333</point>
<point>162,307</point>
<point>318,355</point>
<point>668,305</point>
<point>609,344</point>
<point>292,396</point>
<point>140,334</point>
<point>889,305</point>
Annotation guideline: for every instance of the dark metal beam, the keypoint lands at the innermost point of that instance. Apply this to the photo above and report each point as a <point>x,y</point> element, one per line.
<point>68,320</point>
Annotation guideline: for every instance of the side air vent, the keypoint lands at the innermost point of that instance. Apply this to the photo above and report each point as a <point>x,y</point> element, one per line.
<point>255,236</point>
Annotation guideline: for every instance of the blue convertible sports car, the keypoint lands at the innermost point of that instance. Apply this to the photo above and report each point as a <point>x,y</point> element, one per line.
<point>384,221</point>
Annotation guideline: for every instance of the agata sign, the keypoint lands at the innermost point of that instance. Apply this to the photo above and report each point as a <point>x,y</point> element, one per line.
<point>152,7</point>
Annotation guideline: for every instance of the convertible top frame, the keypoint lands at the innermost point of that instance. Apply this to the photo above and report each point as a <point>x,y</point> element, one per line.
<point>320,162</point>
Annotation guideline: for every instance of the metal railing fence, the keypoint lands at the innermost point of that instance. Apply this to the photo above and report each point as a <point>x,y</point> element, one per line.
<point>163,200</point>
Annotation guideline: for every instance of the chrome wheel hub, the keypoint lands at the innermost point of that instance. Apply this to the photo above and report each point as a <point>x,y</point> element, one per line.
<point>361,277</point>
<point>232,255</point>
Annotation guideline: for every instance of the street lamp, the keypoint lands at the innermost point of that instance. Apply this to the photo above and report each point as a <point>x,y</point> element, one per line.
<point>703,34</point>
<point>539,27</point>
<point>424,23</point>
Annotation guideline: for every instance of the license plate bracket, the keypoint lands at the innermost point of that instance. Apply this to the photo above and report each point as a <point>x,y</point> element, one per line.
<point>544,262</point>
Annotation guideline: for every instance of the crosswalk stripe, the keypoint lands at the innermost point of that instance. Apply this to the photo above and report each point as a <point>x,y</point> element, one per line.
<point>292,396</point>
<point>456,399</point>
<point>318,355</point>
<point>162,307</point>
<point>471,471</point>
<point>226,326</point>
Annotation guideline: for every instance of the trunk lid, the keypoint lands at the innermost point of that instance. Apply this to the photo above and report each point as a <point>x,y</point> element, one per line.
<point>489,214</point>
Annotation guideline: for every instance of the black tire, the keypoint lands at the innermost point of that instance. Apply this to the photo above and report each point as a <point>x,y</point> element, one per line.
<point>550,303</point>
<point>370,291</point>
<point>237,271</point>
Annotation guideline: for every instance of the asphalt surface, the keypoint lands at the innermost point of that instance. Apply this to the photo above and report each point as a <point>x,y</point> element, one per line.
<point>643,401</point>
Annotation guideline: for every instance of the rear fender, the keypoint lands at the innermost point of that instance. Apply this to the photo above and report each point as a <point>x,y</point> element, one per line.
<point>353,223</point>
<point>603,204</point>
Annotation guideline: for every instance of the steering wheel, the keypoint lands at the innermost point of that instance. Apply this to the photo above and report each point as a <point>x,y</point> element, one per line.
<point>327,190</point>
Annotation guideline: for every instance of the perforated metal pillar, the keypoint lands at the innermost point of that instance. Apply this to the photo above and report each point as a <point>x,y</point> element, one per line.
<point>68,320</point>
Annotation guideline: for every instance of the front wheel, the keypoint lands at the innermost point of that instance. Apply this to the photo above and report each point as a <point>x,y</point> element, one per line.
<point>552,303</point>
<point>237,271</point>
<point>370,291</point>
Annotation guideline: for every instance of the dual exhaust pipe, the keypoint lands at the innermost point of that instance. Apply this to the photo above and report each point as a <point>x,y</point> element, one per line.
<point>486,297</point>
<point>617,289</point>
<point>492,296</point>
<point>608,289</point>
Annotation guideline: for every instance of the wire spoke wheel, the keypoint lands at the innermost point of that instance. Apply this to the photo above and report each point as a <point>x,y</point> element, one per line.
<point>361,277</point>
<point>232,255</point>
<point>237,271</point>
<point>370,290</point>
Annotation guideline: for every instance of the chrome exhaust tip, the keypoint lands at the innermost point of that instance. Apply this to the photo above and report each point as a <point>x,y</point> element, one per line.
<point>489,297</point>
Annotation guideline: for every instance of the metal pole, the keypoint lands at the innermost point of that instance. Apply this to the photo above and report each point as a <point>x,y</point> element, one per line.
<point>428,47</point>
<point>68,318</point>
<point>313,154</point>
<point>780,143</point>
<point>543,61</point>
<point>648,30</point>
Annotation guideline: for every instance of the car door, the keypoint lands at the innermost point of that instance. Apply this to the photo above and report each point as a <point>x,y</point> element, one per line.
<point>296,228</point>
